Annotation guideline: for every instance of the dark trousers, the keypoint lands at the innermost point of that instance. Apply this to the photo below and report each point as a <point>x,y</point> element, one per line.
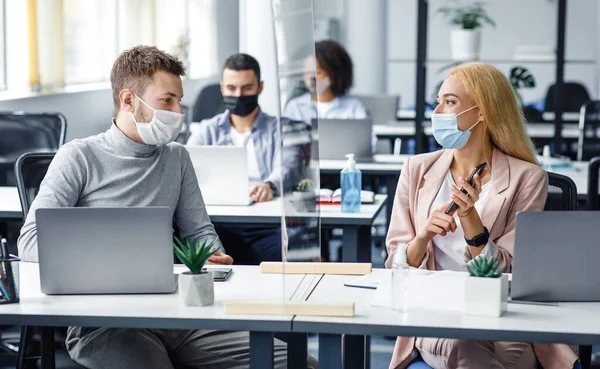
<point>249,245</point>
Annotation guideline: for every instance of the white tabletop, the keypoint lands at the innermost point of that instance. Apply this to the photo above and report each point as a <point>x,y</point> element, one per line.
<point>567,322</point>
<point>579,175</point>
<point>547,115</point>
<point>10,205</point>
<point>154,311</point>
<point>263,213</point>
<point>270,213</point>
<point>536,130</point>
<point>381,164</point>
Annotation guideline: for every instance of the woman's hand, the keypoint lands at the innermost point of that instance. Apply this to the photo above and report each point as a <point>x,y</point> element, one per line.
<point>467,201</point>
<point>438,223</point>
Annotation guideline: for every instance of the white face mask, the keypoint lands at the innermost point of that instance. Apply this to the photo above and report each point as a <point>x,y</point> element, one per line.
<point>162,129</point>
<point>323,85</point>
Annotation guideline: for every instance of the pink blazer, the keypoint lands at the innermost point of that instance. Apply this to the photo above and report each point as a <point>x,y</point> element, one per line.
<point>516,186</point>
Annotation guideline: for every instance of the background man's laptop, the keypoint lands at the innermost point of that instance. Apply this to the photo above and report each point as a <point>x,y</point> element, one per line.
<point>556,256</point>
<point>222,173</point>
<point>105,250</point>
<point>338,137</point>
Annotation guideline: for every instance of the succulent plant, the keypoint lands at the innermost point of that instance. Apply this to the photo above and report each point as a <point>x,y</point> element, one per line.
<point>305,185</point>
<point>194,254</point>
<point>484,267</point>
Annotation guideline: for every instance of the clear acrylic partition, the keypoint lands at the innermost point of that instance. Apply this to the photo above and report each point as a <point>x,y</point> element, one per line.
<point>295,49</point>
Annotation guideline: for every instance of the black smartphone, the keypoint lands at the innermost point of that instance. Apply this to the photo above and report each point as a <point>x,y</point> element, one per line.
<point>478,170</point>
<point>221,275</point>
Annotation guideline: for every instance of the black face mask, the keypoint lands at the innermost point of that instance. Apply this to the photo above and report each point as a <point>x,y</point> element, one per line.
<point>241,105</point>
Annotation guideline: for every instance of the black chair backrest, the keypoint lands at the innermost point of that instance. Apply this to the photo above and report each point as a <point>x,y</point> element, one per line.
<point>532,115</point>
<point>24,132</point>
<point>588,142</point>
<point>30,170</point>
<point>562,193</point>
<point>209,103</point>
<point>575,94</point>
<point>594,168</point>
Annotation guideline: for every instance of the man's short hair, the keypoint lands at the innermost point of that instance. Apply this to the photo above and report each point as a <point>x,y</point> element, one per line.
<point>334,59</point>
<point>242,61</point>
<point>135,67</point>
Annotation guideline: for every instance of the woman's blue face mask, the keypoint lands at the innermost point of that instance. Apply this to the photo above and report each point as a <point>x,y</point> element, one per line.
<point>446,131</point>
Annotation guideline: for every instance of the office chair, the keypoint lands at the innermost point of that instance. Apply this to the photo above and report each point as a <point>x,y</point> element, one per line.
<point>208,103</point>
<point>575,95</point>
<point>25,132</point>
<point>185,132</point>
<point>30,170</point>
<point>562,193</point>
<point>594,168</point>
<point>588,141</point>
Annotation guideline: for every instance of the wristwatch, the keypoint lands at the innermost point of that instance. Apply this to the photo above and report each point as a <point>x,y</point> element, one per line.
<point>272,186</point>
<point>480,239</point>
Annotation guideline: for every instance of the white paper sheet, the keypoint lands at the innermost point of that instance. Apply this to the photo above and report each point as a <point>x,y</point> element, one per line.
<point>443,290</point>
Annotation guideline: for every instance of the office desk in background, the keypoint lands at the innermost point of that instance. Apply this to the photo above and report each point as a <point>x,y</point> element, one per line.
<point>574,323</point>
<point>357,227</point>
<point>395,129</point>
<point>385,167</point>
<point>548,116</point>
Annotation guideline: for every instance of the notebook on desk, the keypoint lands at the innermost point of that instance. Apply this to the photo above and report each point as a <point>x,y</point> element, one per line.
<point>222,173</point>
<point>330,197</point>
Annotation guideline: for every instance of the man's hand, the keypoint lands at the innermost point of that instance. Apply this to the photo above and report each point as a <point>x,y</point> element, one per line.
<point>262,192</point>
<point>220,258</point>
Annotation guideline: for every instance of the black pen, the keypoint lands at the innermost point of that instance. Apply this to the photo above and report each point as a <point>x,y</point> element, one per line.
<point>9,277</point>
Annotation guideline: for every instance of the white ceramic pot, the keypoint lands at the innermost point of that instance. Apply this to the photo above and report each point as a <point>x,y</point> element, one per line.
<point>304,202</point>
<point>196,289</point>
<point>486,296</point>
<point>465,44</point>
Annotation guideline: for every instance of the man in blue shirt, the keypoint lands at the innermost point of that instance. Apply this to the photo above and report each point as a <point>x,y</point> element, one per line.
<point>244,124</point>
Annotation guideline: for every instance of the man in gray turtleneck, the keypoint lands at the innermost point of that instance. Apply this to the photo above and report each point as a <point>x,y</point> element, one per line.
<point>135,163</point>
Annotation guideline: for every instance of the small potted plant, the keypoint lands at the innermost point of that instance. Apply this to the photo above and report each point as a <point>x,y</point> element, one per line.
<point>196,286</point>
<point>465,40</point>
<point>305,197</point>
<point>486,290</point>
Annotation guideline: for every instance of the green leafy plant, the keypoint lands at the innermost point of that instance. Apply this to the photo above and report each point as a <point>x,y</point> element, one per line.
<point>521,77</point>
<point>483,267</point>
<point>471,17</point>
<point>305,185</point>
<point>194,254</point>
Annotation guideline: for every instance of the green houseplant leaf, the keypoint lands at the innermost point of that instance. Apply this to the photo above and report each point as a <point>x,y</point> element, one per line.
<point>470,17</point>
<point>485,268</point>
<point>194,254</point>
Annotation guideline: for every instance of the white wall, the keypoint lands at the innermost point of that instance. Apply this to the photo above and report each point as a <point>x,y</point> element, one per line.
<point>519,22</point>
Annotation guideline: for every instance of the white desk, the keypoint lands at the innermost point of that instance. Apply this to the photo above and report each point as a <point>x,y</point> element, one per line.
<point>162,311</point>
<point>547,115</point>
<point>575,323</point>
<point>579,175</point>
<point>357,227</point>
<point>535,130</point>
<point>10,205</point>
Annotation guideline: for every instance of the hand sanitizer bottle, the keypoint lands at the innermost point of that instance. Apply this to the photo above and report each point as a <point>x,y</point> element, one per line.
<point>399,290</point>
<point>351,181</point>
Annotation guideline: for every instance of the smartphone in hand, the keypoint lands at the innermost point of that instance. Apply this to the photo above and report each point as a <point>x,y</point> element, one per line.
<point>478,170</point>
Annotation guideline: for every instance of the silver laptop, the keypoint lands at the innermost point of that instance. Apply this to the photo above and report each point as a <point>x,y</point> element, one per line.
<point>105,250</point>
<point>222,173</point>
<point>339,137</point>
<point>556,256</point>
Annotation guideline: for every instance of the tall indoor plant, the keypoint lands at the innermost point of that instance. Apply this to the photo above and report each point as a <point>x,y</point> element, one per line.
<point>465,39</point>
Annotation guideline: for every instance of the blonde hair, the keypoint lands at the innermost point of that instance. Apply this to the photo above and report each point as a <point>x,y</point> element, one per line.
<point>496,99</point>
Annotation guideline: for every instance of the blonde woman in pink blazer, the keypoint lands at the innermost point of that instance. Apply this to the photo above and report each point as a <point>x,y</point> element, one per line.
<point>477,120</point>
